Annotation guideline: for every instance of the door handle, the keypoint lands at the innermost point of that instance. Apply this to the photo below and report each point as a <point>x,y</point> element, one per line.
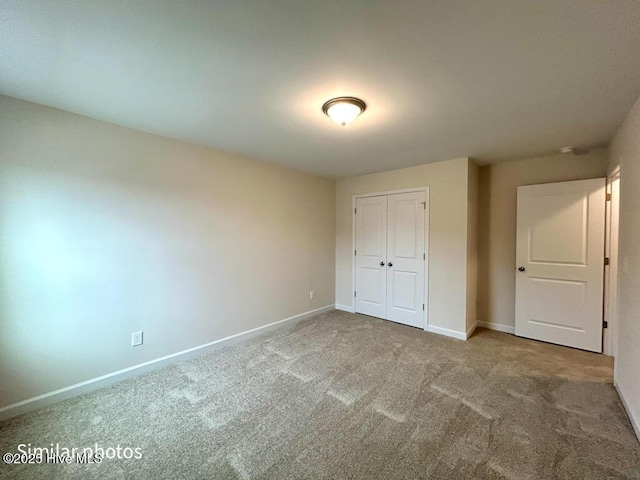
<point>382,264</point>
<point>390,264</point>
<point>521,269</point>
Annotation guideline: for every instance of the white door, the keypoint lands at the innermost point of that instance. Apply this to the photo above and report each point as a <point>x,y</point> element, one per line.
<point>390,257</point>
<point>560,263</point>
<point>371,256</point>
<point>405,258</point>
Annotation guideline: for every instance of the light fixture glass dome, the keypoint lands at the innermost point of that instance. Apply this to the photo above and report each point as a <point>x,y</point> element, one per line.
<point>344,110</point>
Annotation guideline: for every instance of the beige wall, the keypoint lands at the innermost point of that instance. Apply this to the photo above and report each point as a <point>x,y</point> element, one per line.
<point>448,182</point>
<point>497,222</point>
<point>105,230</point>
<point>472,245</point>
<point>625,151</point>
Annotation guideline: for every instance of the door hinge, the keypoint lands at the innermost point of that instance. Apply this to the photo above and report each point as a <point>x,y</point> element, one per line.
<point>606,261</point>
<point>354,294</point>
<point>355,252</point>
<point>424,205</point>
<point>605,324</point>
<point>608,197</point>
<point>355,210</point>
<point>423,307</point>
<point>424,256</point>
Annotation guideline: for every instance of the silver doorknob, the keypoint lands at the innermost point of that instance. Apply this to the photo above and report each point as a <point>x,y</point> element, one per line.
<point>382,264</point>
<point>521,269</point>
<point>390,264</point>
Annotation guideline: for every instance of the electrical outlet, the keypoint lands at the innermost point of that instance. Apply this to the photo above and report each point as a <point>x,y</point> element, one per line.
<point>136,339</point>
<point>312,294</point>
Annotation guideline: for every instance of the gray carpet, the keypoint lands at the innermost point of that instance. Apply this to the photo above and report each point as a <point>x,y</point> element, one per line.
<point>344,396</point>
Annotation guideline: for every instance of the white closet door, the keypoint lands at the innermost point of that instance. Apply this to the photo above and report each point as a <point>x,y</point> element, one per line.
<point>371,252</point>
<point>405,258</point>
<point>560,263</point>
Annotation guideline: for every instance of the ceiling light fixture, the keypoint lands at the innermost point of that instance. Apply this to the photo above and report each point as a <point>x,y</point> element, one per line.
<point>575,150</point>
<point>344,110</point>
<point>568,150</point>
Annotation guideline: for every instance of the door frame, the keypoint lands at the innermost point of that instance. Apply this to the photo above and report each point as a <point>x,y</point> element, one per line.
<point>425,314</point>
<point>610,297</point>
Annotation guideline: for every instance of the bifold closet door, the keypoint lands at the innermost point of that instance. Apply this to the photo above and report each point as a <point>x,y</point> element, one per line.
<point>371,255</point>
<point>406,258</point>
<point>390,257</point>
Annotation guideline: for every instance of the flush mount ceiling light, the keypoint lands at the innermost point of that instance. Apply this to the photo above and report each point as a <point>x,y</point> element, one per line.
<point>344,110</point>
<point>575,150</point>
<point>567,150</point>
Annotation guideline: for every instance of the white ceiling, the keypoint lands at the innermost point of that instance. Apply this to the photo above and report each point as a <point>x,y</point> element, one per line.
<point>490,79</point>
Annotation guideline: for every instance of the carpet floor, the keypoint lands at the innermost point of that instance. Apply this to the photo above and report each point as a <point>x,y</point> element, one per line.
<point>343,396</point>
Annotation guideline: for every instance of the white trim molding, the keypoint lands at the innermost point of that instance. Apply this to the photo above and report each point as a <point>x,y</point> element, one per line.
<point>55,396</point>
<point>345,308</point>
<point>635,423</point>
<point>498,327</point>
<point>446,332</point>
<point>471,330</point>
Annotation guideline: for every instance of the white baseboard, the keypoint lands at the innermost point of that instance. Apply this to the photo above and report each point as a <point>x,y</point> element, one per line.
<point>446,332</point>
<point>345,308</point>
<point>634,421</point>
<point>49,398</point>
<point>471,330</point>
<point>499,327</point>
